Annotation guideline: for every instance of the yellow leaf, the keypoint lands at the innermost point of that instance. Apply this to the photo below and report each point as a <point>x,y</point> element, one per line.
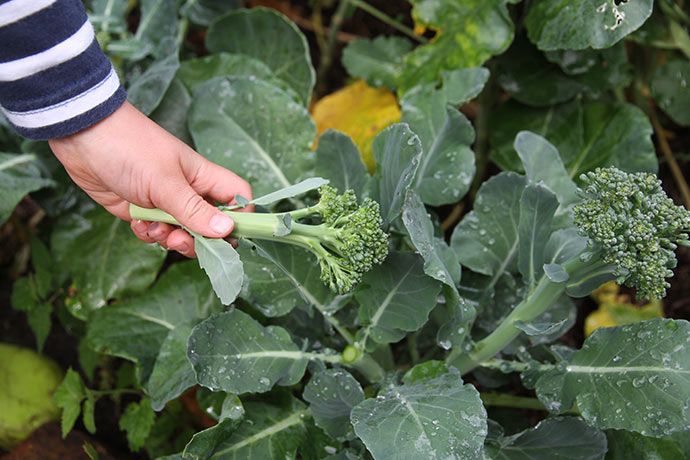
<point>359,111</point>
<point>616,309</point>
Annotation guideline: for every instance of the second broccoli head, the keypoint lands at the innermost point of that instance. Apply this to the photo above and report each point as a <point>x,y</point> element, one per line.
<point>634,225</point>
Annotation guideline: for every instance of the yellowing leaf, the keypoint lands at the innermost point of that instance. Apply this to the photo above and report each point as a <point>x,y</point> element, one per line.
<point>616,309</point>
<point>359,111</point>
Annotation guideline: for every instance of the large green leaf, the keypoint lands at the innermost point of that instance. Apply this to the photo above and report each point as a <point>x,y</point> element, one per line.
<point>232,352</point>
<point>525,74</point>
<point>486,240</point>
<point>282,277</point>
<point>108,16</point>
<point>462,85</point>
<point>542,163</point>
<point>339,161</point>
<point>670,90</point>
<point>563,24</point>
<point>634,377</point>
<point>624,445</point>
<point>554,439</point>
<point>378,61</point>
<point>171,112</point>
<point>270,431</point>
<point>395,297</point>
<point>106,261</point>
<point>433,417</point>
<point>147,91</point>
<point>195,72</point>
<point>538,205</point>
<point>156,30</point>
<point>172,374</point>
<point>19,175</point>
<point>254,129</point>
<point>397,151</point>
<point>204,12</point>
<point>270,37</point>
<point>468,33</point>
<point>447,166</point>
<point>138,329</point>
<point>331,395</point>
<point>586,136</point>
<point>439,261</point>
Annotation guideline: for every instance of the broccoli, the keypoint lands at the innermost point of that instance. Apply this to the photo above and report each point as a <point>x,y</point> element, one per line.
<point>346,239</point>
<point>632,228</point>
<point>631,224</point>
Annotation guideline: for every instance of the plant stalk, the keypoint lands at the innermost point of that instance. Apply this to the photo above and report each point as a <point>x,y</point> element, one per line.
<point>383,17</point>
<point>545,293</point>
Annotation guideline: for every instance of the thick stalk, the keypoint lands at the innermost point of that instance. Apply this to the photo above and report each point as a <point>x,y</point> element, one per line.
<point>369,368</point>
<point>544,294</point>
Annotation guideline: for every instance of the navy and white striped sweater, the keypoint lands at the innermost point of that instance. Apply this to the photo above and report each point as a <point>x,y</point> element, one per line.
<point>54,78</point>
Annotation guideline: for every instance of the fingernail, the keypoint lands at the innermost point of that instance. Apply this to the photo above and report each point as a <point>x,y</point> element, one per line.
<point>220,223</point>
<point>152,229</point>
<point>183,249</point>
<point>139,226</point>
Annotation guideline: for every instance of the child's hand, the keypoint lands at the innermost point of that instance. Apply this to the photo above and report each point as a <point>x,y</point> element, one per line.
<point>127,158</point>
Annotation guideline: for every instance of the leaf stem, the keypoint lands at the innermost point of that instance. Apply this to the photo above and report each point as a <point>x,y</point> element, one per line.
<point>383,17</point>
<point>327,53</point>
<point>670,159</point>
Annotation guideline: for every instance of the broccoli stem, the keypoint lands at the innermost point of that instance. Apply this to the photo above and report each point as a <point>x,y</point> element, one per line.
<point>542,297</point>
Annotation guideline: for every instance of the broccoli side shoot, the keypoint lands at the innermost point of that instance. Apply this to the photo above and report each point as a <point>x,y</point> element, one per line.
<point>634,225</point>
<point>346,239</point>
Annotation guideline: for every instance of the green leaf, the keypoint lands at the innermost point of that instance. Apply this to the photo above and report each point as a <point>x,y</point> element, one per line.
<point>436,417</point>
<point>469,32</point>
<point>634,377</point>
<point>439,261</point>
<point>560,24</point>
<point>195,72</point>
<point>395,297</point>
<point>204,12</point>
<point>19,175</point>
<point>561,438</point>
<point>254,129</point>
<point>68,397</point>
<point>447,165</point>
<point>88,358</point>
<point>331,395</point>
<point>137,421</point>
<point>171,112</point>
<point>222,264</point>
<point>25,298</point>
<point>542,162</point>
<point>378,61</point>
<point>291,191</point>
<point>270,431</point>
<point>106,261</point>
<point>108,16</point>
<point>205,442</point>
<point>270,37</point>
<point>291,279</point>
<point>338,160</point>
<point>486,240</point>
<point>89,408</point>
<point>172,374</point>
<point>136,330</point>
<point>538,205</point>
<point>158,22</point>
<point>624,445</point>
<point>42,263</point>
<point>586,136</point>
<point>526,74</point>
<point>232,352</point>
<point>460,86</point>
<point>397,151</point>
<point>670,90</point>
<point>147,91</point>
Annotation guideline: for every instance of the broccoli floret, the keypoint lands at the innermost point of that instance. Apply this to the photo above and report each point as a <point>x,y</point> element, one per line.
<point>347,240</point>
<point>635,226</point>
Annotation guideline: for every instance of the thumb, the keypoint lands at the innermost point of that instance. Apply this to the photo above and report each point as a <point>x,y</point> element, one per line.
<point>195,213</point>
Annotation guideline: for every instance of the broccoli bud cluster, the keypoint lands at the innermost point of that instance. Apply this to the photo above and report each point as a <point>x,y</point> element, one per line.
<point>637,227</point>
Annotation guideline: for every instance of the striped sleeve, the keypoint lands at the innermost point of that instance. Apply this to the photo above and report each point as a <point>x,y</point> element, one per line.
<point>54,78</point>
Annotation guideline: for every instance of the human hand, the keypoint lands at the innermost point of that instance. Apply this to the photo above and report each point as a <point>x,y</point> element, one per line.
<point>127,158</point>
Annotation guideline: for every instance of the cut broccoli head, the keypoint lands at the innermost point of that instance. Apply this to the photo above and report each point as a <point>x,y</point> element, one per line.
<point>353,239</point>
<point>637,227</point>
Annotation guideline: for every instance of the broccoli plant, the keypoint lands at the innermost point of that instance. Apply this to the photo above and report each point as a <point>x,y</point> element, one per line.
<point>347,242</point>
